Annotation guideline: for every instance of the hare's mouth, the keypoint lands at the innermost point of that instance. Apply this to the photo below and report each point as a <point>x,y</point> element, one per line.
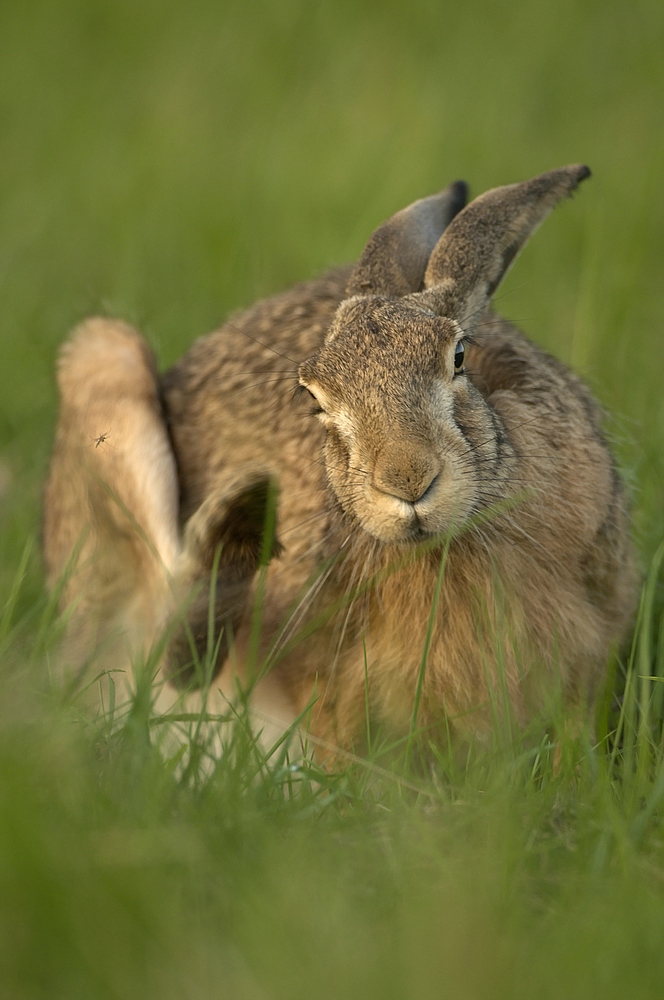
<point>419,533</point>
<point>412,534</point>
<point>444,503</point>
<point>420,523</point>
<point>403,526</point>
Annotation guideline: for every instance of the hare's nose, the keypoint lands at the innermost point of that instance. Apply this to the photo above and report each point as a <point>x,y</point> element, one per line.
<point>406,474</point>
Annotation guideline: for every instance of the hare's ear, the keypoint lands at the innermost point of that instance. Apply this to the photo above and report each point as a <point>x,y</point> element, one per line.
<point>395,258</point>
<point>473,255</point>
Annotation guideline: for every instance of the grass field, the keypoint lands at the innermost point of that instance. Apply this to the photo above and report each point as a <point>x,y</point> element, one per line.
<point>167,163</point>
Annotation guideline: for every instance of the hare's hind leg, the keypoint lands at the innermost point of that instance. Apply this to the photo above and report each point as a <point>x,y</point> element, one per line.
<point>111,500</point>
<point>112,540</point>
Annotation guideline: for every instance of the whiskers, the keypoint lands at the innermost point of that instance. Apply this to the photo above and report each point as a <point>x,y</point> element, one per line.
<point>261,343</point>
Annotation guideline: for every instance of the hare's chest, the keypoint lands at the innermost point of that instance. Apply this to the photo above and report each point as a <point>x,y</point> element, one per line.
<point>410,660</point>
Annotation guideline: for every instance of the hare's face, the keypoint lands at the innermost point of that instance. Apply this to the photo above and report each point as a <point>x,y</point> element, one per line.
<point>412,447</point>
<point>409,438</point>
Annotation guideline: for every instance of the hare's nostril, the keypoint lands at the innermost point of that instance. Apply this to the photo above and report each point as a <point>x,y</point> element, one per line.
<point>428,488</point>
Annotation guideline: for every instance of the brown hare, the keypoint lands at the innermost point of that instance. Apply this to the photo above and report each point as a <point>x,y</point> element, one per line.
<point>438,480</point>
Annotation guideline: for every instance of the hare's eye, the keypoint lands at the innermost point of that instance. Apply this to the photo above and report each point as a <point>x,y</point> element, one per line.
<point>317,408</point>
<point>459,356</point>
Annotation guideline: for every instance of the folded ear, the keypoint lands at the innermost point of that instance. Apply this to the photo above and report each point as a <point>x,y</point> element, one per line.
<point>475,252</point>
<point>395,258</point>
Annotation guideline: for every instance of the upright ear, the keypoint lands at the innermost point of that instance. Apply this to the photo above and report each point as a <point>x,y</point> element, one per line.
<point>395,258</point>
<point>473,255</point>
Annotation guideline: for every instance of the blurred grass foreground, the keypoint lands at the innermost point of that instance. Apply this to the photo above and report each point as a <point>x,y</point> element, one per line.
<point>166,163</point>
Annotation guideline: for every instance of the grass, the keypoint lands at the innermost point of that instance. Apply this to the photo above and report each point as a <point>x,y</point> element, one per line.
<point>516,872</point>
<point>168,163</point>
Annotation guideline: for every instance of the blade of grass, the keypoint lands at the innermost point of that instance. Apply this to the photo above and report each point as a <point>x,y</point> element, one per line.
<point>427,646</point>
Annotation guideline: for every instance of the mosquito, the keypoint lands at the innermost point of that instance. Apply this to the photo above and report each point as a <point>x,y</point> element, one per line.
<point>101,439</point>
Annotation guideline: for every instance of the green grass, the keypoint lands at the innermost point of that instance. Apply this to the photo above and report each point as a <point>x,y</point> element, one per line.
<point>167,163</point>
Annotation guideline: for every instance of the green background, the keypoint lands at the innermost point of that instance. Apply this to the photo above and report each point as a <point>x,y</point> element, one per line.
<point>170,162</point>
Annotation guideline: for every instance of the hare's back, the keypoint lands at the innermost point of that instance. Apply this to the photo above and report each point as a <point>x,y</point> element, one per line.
<point>230,399</point>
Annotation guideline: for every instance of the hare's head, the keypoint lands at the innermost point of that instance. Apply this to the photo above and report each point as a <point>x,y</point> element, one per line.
<point>409,437</point>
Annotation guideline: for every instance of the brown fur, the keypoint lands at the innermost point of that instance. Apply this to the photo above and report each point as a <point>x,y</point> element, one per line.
<point>502,466</point>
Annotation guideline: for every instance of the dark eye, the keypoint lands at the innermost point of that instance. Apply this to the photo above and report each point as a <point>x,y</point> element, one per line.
<point>459,356</point>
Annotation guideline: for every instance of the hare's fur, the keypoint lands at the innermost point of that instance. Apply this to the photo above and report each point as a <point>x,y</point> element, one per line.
<point>501,469</point>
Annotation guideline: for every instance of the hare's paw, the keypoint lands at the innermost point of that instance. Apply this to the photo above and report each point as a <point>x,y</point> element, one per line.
<point>224,543</point>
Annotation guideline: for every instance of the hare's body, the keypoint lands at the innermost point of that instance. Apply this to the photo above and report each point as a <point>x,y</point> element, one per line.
<point>561,596</point>
<point>497,468</point>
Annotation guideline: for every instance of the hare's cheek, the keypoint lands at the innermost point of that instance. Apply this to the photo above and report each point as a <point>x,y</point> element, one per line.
<point>337,445</point>
<point>478,427</point>
<point>337,458</point>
